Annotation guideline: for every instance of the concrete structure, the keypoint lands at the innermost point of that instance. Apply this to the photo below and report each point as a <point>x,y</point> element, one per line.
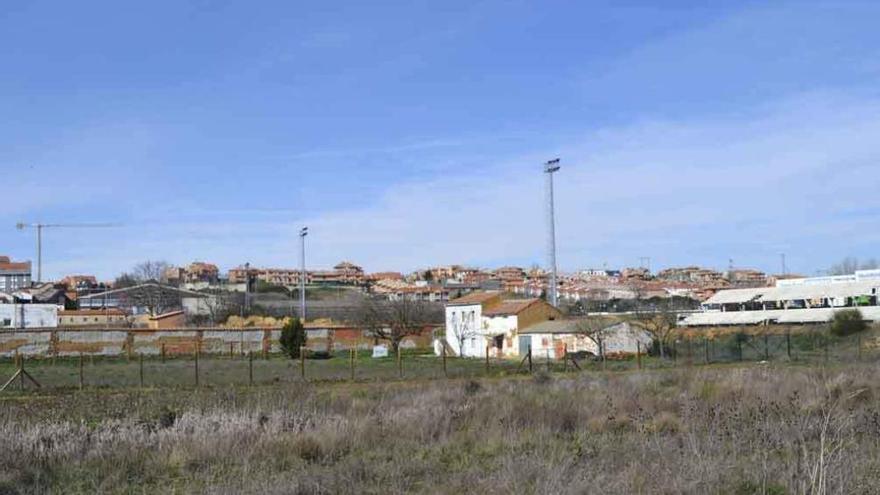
<point>173,319</point>
<point>92,318</point>
<point>122,341</point>
<point>484,320</point>
<point>802,300</point>
<point>14,316</point>
<point>552,339</point>
<point>14,275</point>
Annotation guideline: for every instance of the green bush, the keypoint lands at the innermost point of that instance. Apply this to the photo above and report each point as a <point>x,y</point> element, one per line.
<point>293,337</point>
<point>847,322</point>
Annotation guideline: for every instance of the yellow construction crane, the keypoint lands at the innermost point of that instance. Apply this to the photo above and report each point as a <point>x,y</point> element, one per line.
<point>39,228</point>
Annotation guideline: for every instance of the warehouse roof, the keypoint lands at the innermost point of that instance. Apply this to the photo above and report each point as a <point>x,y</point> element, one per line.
<point>795,292</point>
<point>812,315</point>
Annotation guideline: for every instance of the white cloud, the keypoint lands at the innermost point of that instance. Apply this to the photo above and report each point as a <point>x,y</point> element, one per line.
<point>799,177</point>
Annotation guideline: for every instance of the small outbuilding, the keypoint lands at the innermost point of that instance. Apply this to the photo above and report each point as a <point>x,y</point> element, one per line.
<point>552,339</point>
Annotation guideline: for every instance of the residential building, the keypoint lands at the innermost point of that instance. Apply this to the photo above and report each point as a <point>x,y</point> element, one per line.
<point>375,277</point>
<point>743,278</point>
<point>79,283</point>
<point>634,274</point>
<point>690,274</point>
<point>286,277</point>
<point>596,273</point>
<point>194,273</point>
<point>344,273</point>
<point>395,290</point>
<point>14,275</point>
<point>510,273</point>
<point>483,322</point>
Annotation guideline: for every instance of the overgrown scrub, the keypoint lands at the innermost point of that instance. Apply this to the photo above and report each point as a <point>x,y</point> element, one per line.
<point>711,430</point>
<point>848,322</point>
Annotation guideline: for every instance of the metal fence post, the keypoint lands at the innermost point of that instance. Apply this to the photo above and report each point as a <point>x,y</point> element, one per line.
<point>399,362</point>
<point>250,368</point>
<point>706,348</point>
<point>487,359</point>
<point>565,358</point>
<point>163,352</point>
<point>766,346</point>
<point>443,352</point>
<point>788,344</point>
<point>141,368</point>
<point>530,359</point>
<point>196,355</point>
<point>81,372</point>
<point>639,354</point>
<point>302,362</point>
<point>351,361</point>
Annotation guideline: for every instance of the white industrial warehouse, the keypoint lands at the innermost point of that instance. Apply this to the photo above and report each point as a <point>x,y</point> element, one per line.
<point>803,300</point>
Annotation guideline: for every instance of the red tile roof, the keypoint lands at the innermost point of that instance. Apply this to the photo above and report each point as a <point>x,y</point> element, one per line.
<point>510,307</point>
<point>474,298</point>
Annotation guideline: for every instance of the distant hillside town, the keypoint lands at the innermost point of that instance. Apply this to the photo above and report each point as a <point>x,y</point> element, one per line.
<point>585,291</point>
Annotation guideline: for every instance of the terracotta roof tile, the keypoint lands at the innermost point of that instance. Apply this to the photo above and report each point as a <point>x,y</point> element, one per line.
<point>474,298</point>
<point>510,307</point>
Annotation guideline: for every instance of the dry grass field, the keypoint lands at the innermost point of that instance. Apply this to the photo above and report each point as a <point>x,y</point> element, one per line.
<point>718,429</point>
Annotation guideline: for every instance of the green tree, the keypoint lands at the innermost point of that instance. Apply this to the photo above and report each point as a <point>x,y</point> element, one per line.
<point>847,322</point>
<point>293,337</point>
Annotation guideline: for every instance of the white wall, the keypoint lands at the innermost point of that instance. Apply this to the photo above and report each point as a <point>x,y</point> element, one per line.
<point>464,321</point>
<point>28,316</point>
<point>621,338</point>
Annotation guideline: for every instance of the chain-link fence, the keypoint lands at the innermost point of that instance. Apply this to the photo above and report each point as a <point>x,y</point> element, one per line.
<point>808,347</point>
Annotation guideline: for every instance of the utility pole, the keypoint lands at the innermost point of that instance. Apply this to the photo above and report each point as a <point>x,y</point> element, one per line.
<point>39,228</point>
<point>550,168</point>
<point>247,288</point>
<point>784,270</point>
<point>302,275</point>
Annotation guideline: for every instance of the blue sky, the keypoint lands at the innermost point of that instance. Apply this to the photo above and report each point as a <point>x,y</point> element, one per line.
<point>411,133</point>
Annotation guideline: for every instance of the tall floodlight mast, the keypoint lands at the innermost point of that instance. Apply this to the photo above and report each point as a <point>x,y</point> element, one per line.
<point>550,168</point>
<point>302,275</point>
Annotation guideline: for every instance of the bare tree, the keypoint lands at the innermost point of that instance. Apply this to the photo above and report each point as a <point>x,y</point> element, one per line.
<point>216,306</point>
<point>463,326</point>
<point>394,320</point>
<point>595,329</point>
<point>150,271</point>
<point>661,323</point>
<point>850,264</point>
